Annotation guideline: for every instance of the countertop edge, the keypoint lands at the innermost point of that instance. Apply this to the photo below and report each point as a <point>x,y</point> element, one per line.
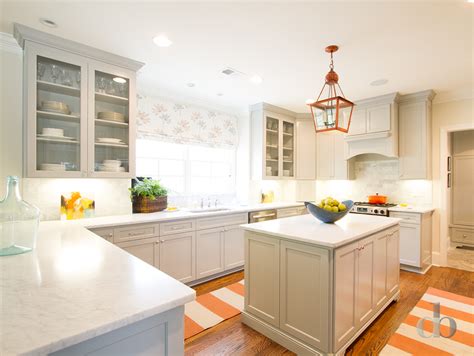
<point>412,210</point>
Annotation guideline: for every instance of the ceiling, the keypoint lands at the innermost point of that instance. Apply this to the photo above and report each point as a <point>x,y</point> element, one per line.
<point>415,45</point>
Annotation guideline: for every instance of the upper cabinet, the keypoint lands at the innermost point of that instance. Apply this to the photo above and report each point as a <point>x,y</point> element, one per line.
<point>305,148</point>
<point>415,135</point>
<point>374,127</point>
<point>331,157</point>
<point>273,138</point>
<point>79,109</point>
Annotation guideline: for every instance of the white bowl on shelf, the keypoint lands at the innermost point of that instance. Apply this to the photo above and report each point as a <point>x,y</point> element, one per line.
<point>56,167</point>
<point>51,131</point>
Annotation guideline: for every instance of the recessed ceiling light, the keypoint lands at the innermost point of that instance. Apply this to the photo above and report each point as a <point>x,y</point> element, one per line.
<point>48,22</point>
<point>162,41</point>
<point>119,80</point>
<point>255,79</point>
<point>191,84</point>
<point>379,82</point>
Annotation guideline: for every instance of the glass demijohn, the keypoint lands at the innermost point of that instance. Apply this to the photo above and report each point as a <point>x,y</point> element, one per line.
<point>18,221</point>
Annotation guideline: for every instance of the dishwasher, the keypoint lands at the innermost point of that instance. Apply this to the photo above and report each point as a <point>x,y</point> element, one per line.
<point>262,215</point>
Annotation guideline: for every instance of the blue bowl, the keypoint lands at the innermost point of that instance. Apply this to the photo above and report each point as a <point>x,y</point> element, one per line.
<point>328,216</point>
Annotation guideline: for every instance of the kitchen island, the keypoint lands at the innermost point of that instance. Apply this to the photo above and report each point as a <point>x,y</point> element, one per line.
<point>78,294</point>
<point>315,287</point>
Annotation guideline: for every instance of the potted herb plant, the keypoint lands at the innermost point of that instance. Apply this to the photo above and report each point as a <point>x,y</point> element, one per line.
<point>148,196</point>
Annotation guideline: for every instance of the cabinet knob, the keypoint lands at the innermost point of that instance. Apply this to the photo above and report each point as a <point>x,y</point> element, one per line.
<point>157,242</point>
<point>162,241</point>
<point>110,234</point>
<point>464,236</point>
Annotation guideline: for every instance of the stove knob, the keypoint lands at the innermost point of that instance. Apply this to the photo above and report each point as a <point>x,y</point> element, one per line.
<point>376,211</point>
<point>382,212</point>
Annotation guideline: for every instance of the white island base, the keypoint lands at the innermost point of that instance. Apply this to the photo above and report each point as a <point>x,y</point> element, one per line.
<point>314,288</point>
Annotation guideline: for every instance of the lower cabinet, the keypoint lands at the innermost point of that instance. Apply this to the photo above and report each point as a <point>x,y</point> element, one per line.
<point>145,249</point>
<point>209,252</point>
<point>233,247</point>
<point>177,257</point>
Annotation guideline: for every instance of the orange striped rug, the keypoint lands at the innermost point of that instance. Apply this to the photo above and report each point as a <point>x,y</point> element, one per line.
<point>408,341</point>
<point>213,308</point>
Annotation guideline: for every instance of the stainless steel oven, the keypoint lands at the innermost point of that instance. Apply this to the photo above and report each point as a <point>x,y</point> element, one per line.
<point>262,215</point>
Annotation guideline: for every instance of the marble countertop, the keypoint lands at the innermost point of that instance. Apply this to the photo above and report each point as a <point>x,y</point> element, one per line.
<point>306,228</point>
<point>75,286</point>
<point>412,209</point>
<point>162,216</point>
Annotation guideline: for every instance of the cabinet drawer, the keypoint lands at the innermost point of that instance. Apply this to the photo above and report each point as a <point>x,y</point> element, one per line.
<point>175,227</point>
<point>410,218</point>
<point>286,212</point>
<point>462,235</point>
<point>135,232</point>
<point>234,219</point>
<point>106,233</point>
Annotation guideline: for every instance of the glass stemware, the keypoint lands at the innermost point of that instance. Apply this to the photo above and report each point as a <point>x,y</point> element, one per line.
<point>66,78</point>
<point>55,71</point>
<point>41,70</point>
<point>78,79</point>
<point>101,84</point>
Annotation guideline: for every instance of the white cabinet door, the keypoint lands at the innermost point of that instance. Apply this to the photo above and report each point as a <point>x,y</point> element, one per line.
<point>365,281</point>
<point>304,293</point>
<point>380,270</point>
<point>393,262</point>
<point>209,252</point>
<point>262,285</point>
<point>325,156</point>
<point>410,244</point>
<point>177,256</point>
<point>146,249</point>
<point>341,165</point>
<point>233,247</point>
<point>305,150</point>
<point>378,118</point>
<point>345,277</point>
<point>358,122</point>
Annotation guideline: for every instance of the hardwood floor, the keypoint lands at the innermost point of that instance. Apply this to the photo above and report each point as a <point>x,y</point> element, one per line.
<point>231,337</point>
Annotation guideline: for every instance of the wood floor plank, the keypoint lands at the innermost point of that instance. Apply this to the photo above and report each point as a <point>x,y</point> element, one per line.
<point>231,337</point>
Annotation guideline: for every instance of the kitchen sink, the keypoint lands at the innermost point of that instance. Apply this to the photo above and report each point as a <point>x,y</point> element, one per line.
<point>208,210</point>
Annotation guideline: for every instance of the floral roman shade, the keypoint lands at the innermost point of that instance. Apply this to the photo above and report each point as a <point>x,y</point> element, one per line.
<point>168,120</point>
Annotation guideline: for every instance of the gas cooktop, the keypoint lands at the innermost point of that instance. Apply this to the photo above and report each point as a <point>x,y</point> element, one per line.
<point>371,209</point>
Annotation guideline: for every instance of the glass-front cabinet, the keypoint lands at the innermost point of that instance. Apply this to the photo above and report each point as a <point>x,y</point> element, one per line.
<point>80,115</point>
<point>279,145</point>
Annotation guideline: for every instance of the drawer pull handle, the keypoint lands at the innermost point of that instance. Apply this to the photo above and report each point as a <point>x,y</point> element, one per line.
<point>134,233</point>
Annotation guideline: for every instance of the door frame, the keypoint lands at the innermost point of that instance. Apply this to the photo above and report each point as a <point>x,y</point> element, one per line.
<point>445,206</point>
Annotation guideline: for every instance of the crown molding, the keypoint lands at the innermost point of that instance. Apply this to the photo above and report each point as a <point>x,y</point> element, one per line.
<point>463,93</point>
<point>8,43</point>
<point>425,95</point>
<point>272,108</point>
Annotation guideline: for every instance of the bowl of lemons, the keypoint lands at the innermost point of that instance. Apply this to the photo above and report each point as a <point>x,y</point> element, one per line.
<point>329,210</point>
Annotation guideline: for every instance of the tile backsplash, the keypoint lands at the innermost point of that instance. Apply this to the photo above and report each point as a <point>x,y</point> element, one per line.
<point>111,195</point>
<point>377,176</point>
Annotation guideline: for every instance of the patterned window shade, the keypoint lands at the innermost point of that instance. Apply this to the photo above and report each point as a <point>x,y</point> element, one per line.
<point>166,120</point>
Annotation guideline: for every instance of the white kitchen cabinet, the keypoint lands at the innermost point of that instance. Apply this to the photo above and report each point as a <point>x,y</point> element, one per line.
<point>177,256</point>
<point>273,139</point>
<point>358,121</point>
<point>393,262</point>
<point>209,252</point>
<point>415,240</point>
<point>262,285</point>
<point>305,149</point>
<point>66,86</point>
<point>365,305</point>
<point>415,135</point>
<point>304,295</point>
<point>233,247</point>
<point>331,155</point>
<point>379,118</point>
<point>145,249</point>
<point>293,211</point>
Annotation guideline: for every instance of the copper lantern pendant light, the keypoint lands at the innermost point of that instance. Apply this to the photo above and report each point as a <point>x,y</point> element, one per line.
<point>333,112</point>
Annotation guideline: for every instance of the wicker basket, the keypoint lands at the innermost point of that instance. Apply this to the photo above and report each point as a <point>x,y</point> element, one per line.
<point>146,205</point>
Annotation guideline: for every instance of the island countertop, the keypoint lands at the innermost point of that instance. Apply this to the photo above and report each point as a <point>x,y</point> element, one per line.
<point>306,228</point>
<point>75,286</point>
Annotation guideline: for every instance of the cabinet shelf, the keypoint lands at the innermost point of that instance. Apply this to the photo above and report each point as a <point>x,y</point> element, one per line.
<point>271,160</point>
<point>287,134</point>
<point>272,146</point>
<point>288,148</point>
<point>272,131</point>
<point>58,88</point>
<point>112,99</point>
<point>111,123</point>
<point>57,140</point>
<point>111,145</point>
<point>57,116</point>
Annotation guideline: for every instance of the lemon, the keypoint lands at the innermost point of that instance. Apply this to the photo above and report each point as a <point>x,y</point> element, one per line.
<point>342,207</point>
<point>328,207</point>
<point>335,209</point>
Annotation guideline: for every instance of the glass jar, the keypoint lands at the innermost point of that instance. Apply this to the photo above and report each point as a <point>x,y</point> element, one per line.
<point>18,221</point>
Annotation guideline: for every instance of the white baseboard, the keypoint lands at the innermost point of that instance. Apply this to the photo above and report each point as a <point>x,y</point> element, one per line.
<point>436,259</point>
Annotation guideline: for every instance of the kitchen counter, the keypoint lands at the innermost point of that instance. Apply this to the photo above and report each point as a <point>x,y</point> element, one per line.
<point>75,286</point>
<point>163,216</point>
<point>412,209</point>
<point>306,228</point>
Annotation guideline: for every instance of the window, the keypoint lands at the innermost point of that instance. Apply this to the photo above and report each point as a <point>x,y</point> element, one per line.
<point>187,169</point>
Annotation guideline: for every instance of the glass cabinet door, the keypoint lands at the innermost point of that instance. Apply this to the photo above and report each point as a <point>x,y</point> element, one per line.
<point>272,147</point>
<point>111,146</point>
<point>288,146</point>
<point>56,114</point>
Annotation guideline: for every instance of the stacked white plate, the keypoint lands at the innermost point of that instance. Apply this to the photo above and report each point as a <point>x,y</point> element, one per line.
<point>112,140</point>
<point>55,106</point>
<point>111,165</point>
<point>53,133</point>
<point>111,116</point>
<point>53,167</point>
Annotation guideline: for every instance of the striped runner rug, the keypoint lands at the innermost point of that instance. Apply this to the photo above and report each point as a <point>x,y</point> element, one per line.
<point>408,341</point>
<point>213,308</point>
